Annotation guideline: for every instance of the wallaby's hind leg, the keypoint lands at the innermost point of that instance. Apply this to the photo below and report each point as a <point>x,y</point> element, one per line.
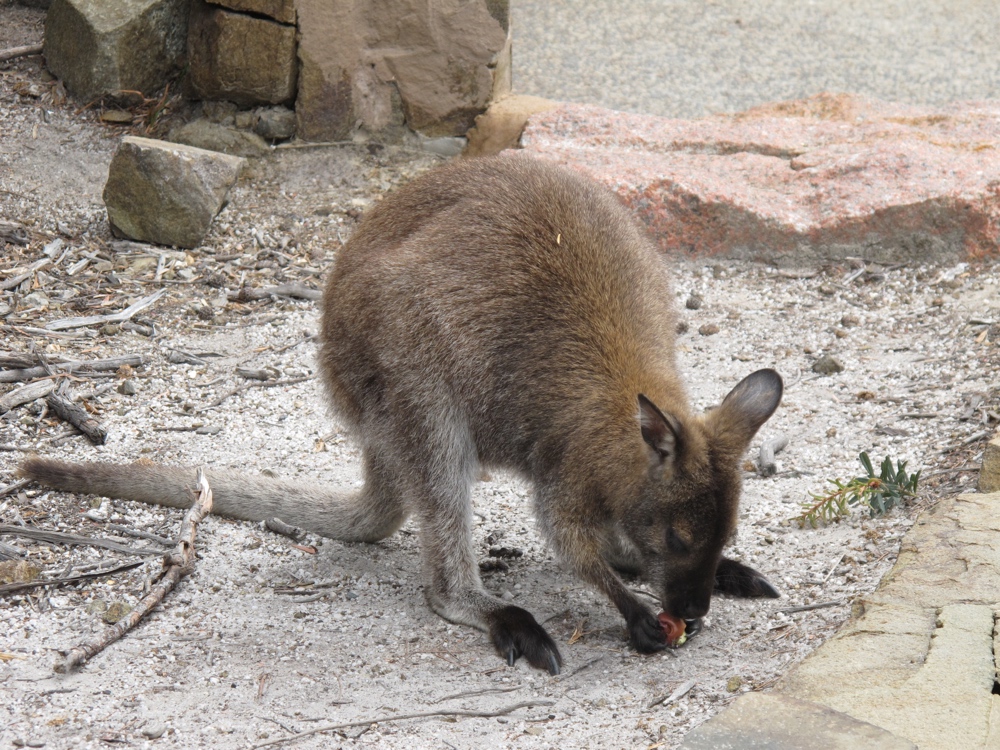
<point>441,497</point>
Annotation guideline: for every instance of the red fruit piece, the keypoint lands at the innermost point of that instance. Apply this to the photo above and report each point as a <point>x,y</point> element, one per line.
<point>673,629</point>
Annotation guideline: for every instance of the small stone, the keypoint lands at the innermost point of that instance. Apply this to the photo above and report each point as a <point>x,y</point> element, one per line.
<point>734,683</point>
<point>128,388</point>
<point>276,124</point>
<point>826,290</point>
<point>17,571</point>
<point>115,612</point>
<point>937,302</point>
<point>110,329</point>
<point>35,300</point>
<point>709,329</point>
<point>827,365</point>
<point>831,432</point>
<point>117,116</point>
<point>694,302</point>
<point>154,730</point>
<point>850,320</point>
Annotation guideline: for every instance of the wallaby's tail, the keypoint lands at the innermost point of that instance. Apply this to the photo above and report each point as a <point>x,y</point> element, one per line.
<point>340,515</point>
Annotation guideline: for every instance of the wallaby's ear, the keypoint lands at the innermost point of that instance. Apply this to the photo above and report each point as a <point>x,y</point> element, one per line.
<point>746,408</point>
<point>662,432</point>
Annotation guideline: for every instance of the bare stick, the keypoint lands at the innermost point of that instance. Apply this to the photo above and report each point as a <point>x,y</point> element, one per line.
<point>13,52</point>
<point>403,717</point>
<point>11,588</point>
<point>251,384</point>
<point>26,394</point>
<point>59,537</point>
<point>119,317</point>
<point>249,294</point>
<point>766,464</point>
<point>677,694</point>
<point>809,607</point>
<point>77,416</point>
<point>177,564</point>
<point>96,365</point>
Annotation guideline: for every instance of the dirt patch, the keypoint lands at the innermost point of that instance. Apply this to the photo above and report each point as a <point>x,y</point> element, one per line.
<point>272,636</point>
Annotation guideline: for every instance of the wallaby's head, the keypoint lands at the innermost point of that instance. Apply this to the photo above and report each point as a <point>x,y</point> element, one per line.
<point>688,503</point>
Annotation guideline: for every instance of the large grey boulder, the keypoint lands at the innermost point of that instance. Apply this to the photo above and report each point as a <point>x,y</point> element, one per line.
<point>98,47</point>
<point>167,193</point>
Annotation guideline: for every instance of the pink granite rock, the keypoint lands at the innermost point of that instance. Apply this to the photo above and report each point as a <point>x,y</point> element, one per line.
<point>825,177</point>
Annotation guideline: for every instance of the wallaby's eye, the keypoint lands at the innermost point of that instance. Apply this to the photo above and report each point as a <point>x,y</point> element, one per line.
<point>675,544</point>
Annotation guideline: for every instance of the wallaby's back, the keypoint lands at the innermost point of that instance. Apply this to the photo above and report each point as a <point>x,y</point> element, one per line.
<point>518,293</point>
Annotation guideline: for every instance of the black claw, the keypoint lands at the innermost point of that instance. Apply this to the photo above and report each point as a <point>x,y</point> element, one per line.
<point>645,634</point>
<point>515,633</point>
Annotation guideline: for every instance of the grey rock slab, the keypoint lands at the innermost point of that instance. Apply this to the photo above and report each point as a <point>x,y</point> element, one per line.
<point>99,48</point>
<point>759,721</point>
<point>167,193</point>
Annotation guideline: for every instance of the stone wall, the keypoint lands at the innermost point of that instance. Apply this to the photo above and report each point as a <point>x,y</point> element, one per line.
<point>378,66</point>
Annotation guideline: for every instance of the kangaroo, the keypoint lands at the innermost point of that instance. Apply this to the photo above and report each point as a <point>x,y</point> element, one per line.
<point>504,313</point>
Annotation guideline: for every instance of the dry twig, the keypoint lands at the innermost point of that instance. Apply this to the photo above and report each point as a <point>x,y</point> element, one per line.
<point>14,52</point>
<point>177,564</point>
<point>404,717</point>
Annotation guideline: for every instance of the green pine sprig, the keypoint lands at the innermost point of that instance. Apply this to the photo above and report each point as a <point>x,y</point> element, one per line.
<point>880,493</point>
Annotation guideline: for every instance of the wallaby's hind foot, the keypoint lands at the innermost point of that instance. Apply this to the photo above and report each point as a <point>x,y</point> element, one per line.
<point>732,577</point>
<point>516,633</point>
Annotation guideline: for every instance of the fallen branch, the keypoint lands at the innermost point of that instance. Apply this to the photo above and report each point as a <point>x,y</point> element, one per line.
<point>404,717</point>
<point>59,537</point>
<point>25,373</point>
<point>77,416</point>
<point>118,317</point>
<point>26,394</point>
<point>177,564</point>
<point>17,280</point>
<point>251,384</point>
<point>249,294</point>
<point>13,487</point>
<point>14,52</point>
<point>808,607</point>
<point>678,693</point>
<point>13,588</point>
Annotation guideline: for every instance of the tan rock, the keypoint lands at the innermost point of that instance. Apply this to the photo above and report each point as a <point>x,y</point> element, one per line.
<point>282,11</point>
<point>918,657</point>
<point>167,193</point>
<point>500,126</point>
<point>989,474</point>
<point>434,65</point>
<point>240,58</point>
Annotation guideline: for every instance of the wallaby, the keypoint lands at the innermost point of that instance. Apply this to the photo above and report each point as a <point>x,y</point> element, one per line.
<point>501,312</point>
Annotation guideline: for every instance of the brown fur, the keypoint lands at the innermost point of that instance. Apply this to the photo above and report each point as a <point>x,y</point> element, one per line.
<point>503,313</point>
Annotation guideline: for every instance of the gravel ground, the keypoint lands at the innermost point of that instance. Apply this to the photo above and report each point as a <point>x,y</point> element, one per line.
<point>691,59</point>
<point>271,636</point>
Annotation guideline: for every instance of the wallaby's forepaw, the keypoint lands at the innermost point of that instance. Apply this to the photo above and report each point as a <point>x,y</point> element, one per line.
<point>516,633</point>
<point>645,634</point>
<point>735,578</point>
